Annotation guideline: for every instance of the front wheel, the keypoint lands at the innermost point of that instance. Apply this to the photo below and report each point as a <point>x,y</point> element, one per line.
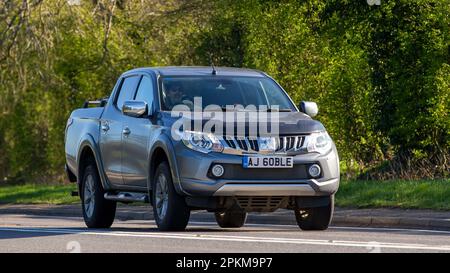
<point>317,218</point>
<point>231,218</point>
<point>169,208</point>
<point>97,211</point>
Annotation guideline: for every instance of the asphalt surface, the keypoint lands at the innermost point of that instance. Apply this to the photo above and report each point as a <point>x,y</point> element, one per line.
<point>37,233</point>
<point>380,217</point>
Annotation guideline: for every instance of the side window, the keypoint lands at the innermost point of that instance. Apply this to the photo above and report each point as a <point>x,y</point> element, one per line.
<point>145,91</point>
<point>127,90</point>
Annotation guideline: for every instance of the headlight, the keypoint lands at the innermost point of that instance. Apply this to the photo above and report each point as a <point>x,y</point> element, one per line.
<point>318,142</point>
<point>202,142</point>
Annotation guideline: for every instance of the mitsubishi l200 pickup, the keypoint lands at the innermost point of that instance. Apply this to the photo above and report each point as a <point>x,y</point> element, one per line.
<point>226,140</point>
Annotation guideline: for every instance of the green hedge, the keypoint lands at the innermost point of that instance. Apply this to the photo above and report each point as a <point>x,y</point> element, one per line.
<point>380,74</point>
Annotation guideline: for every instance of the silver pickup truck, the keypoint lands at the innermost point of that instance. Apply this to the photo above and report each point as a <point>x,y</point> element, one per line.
<point>152,141</point>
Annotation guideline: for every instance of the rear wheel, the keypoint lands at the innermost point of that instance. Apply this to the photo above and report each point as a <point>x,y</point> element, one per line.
<point>317,218</point>
<point>231,218</point>
<point>169,208</point>
<point>97,211</point>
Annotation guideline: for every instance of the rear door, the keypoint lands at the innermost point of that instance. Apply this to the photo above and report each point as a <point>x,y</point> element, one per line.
<point>111,133</point>
<point>135,150</point>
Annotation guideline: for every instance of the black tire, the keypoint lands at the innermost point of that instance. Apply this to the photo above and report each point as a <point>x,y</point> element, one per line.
<point>317,218</point>
<point>177,213</point>
<point>231,218</point>
<point>103,211</point>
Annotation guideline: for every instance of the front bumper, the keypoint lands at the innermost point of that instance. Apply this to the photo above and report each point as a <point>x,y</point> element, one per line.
<point>194,178</point>
<point>277,189</point>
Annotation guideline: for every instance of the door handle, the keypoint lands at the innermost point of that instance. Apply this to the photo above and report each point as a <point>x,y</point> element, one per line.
<point>126,131</point>
<point>105,127</point>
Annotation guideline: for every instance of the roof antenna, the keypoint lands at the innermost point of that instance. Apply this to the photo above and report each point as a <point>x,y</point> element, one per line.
<point>214,72</point>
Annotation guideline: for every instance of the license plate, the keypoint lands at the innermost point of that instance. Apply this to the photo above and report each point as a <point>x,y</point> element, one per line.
<point>267,162</point>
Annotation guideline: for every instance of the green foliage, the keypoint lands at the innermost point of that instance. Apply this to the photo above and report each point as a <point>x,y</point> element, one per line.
<point>380,74</point>
<point>38,193</point>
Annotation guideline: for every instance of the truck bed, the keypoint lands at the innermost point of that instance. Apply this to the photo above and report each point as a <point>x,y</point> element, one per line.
<point>82,122</point>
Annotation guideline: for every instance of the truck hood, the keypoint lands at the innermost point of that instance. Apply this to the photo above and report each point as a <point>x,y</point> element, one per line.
<point>289,123</point>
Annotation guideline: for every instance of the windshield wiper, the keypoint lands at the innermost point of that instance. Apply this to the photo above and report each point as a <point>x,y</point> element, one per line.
<point>279,110</point>
<point>224,109</point>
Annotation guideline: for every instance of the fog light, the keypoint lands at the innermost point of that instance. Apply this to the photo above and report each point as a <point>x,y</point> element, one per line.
<point>314,170</point>
<point>217,170</point>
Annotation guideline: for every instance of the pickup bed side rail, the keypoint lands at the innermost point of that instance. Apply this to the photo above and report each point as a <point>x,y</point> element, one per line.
<point>97,103</point>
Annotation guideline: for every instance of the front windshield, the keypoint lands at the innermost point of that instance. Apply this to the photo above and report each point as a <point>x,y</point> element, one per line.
<point>223,91</point>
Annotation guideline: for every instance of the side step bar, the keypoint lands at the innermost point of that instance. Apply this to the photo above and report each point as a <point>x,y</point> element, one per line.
<point>127,197</point>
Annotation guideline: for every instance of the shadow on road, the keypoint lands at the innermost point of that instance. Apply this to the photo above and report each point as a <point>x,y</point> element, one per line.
<point>67,226</point>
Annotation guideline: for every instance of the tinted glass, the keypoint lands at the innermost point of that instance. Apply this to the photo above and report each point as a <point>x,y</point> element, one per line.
<point>127,90</point>
<point>145,91</point>
<point>223,91</point>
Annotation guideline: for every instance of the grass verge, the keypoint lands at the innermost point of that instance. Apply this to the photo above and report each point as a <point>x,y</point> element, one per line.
<point>419,194</point>
<point>38,194</point>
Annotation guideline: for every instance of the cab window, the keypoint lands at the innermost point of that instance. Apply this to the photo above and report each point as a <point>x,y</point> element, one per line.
<point>127,90</point>
<point>145,91</point>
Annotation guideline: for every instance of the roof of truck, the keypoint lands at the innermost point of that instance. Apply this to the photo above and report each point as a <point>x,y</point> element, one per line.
<point>201,71</point>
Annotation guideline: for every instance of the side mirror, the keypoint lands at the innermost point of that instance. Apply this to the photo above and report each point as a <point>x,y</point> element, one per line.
<point>310,108</point>
<point>134,108</point>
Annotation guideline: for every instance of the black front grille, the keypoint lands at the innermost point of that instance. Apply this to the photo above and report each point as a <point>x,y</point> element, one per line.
<point>230,143</point>
<point>260,203</point>
<point>289,143</point>
<point>242,143</point>
<point>283,143</point>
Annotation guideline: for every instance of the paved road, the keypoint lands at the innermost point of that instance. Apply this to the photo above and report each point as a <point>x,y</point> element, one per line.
<point>32,233</point>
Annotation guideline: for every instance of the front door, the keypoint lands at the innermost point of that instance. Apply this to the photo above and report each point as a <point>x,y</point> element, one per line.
<point>135,149</point>
<point>111,131</point>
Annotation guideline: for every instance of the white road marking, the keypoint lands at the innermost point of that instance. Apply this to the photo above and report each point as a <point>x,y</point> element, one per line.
<point>268,225</point>
<point>339,227</point>
<point>393,229</point>
<point>253,239</point>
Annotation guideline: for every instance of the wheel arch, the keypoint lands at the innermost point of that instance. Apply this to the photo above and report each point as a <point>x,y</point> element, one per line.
<point>87,152</point>
<point>162,150</point>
